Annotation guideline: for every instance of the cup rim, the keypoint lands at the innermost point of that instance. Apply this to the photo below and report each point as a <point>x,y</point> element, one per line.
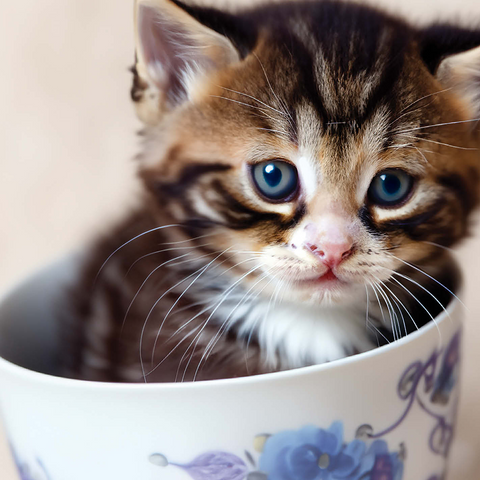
<point>38,377</point>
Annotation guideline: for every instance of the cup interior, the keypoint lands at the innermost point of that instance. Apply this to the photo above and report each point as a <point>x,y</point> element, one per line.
<point>29,333</point>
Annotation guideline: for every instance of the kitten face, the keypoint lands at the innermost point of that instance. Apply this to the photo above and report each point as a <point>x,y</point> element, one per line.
<point>320,156</point>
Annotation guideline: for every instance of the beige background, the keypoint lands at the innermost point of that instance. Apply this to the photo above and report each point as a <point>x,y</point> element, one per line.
<point>67,142</point>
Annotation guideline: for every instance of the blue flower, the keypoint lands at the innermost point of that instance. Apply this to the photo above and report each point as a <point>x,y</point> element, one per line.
<point>315,454</point>
<point>386,466</point>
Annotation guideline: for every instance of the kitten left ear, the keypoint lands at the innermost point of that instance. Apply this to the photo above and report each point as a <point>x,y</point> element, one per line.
<point>461,72</point>
<point>173,52</point>
<point>453,56</point>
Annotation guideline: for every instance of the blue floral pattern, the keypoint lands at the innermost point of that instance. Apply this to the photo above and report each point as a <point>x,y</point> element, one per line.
<point>314,453</point>
<point>310,453</point>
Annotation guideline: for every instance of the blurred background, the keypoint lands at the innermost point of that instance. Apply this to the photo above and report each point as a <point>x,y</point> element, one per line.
<point>67,141</point>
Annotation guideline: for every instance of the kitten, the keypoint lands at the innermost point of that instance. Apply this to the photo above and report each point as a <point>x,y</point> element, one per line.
<point>306,167</point>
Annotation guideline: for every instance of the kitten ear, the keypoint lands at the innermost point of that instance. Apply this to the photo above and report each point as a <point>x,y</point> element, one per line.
<point>453,55</point>
<point>173,52</point>
<point>461,72</point>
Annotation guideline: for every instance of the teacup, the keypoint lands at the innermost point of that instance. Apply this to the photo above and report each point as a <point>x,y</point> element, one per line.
<point>388,414</point>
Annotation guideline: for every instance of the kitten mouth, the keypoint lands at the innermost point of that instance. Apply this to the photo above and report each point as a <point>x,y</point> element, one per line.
<point>328,279</point>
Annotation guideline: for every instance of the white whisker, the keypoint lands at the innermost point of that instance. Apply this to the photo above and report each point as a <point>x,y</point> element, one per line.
<point>130,241</point>
<point>143,284</point>
<point>225,296</point>
<point>226,324</point>
<point>429,140</point>
<point>429,276</point>
<point>421,304</point>
<point>437,125</point>
<point>403,305</point>
<point>182,294</point>
<point>423,98</point>
<point>172,249</point>
<point>368,322</point>
<point>202,270</point>
<point>255,99</point>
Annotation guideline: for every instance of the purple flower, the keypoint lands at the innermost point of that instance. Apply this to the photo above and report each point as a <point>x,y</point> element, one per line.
<point>314,454</point>
<point>209,466</point>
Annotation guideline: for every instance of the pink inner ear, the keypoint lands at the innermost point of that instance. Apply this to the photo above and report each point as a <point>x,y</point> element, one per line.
<point>169,51</point>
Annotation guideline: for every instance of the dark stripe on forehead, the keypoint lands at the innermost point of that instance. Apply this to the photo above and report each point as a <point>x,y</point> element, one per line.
<point>306,87</point>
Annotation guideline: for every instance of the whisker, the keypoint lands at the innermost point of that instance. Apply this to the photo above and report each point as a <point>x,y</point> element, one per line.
<point>186,336</point>
<point>187,323</point>
<point>279,132</point>
<point>399,311</point>
<point>437,125</point>
<point>265,316</point>
<point>422,155</point>
<point>426,96</point>
<point>255,99</point>
<point>405,308</point>
<point>246,105</point>
<point>451,250</point>
<point>291,122</point>
<point>424,289</point>
<point>379,303</point>
<point>421,304</point>
<point>411,112</point>
<point>429,140</point>
<point>202,270</point>
<point>189,334</point>
<point>143,284</point>
<point>130,241</point>
<point>226,324</point>
<point>179,298</point>
<point>225,296</point>
<point>368,322</point>
<point>190,239</point>
<point>428,276</point>
<point>163,251</point>
<point>393,316</point>
<point>254,326</point>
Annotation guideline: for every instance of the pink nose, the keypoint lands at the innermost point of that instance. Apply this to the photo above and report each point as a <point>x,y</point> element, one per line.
<point>332,254</point>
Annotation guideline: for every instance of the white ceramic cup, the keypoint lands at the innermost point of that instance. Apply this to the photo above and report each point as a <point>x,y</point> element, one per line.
<point>388,414</point>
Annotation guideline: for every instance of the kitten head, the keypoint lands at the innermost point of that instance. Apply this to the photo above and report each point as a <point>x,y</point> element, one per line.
<point>321,144</point>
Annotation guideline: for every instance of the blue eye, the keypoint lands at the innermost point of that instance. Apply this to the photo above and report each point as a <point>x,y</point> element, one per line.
<point>390,188</point>
<point>276,180</point>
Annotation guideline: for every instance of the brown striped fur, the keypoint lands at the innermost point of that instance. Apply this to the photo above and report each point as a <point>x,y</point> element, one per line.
<point>339,90</point>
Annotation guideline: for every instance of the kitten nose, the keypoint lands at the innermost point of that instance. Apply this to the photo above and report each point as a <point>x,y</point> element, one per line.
<point>332,253</point>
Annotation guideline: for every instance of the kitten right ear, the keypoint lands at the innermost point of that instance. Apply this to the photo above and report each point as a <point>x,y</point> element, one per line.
<point>453,55</point>
<point>173,52</point>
